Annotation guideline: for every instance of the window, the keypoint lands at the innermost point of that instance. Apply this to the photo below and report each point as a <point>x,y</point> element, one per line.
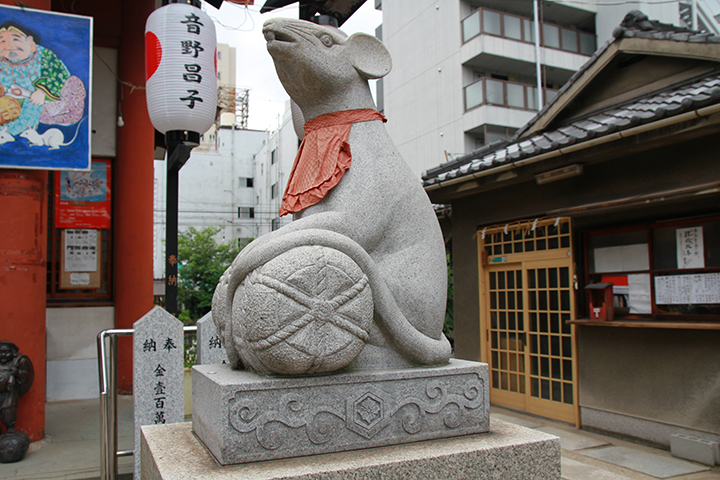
<point>245,182</point>
<point>275,224</point>
<point>471,26</point>
<point>512,27</point>
<point>274,190</point>
<point>569,40</point>
<point>545,236</point>
<point>273,157</point>
<point>587,43</point>
<point>532,98</point>
<point>529,30</point>
<point>246,212</point>
<point>494,91</point>
<point>515,95</point>
<point>664,271</point>
<point>474,95</point>
<point>493,133</point>
<point>551,35</point>
<point>500,91</point>
<point>491,22</point>
<point>501,24</point>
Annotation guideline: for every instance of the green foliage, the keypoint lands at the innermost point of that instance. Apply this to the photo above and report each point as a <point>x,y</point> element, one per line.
<point>449,326</point>
<point>185,317</point>
<point>201,263</point>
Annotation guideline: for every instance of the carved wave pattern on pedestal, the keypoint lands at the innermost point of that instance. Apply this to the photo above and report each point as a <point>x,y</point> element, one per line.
<point>294,413</point>
<point>366,412</point>
<point>453,405</point>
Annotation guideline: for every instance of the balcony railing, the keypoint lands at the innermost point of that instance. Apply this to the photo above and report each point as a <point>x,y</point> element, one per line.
<point>491,91</point>
<point>513,27</point>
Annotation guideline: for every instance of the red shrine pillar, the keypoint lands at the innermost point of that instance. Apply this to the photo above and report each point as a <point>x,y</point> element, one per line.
<point>133,188</point>
<point>23,276</point>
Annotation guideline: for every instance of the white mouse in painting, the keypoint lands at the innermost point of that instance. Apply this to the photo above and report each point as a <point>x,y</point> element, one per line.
<point>5,136</point>
<point>52,137</point>
<point>374,211</point>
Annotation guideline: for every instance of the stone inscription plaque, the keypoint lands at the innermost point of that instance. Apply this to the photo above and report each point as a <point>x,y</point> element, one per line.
<point>209,348</point>
<point>158,385</point>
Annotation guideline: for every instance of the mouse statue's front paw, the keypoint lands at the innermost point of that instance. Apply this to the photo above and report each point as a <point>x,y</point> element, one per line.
<point>308,310</point>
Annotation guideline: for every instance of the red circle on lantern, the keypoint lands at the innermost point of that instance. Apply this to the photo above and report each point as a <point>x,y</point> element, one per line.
<point>153,54</point>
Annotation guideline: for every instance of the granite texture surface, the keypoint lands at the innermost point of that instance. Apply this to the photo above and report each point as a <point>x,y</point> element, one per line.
<point>158,385</point>
<point>377,215</point>
<point>245,417</point>
<point>209,347</point>
<point>508,451</point>
<point>308,310</point>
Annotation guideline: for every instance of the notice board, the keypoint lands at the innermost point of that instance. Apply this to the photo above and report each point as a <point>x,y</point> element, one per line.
<point>80,259</point>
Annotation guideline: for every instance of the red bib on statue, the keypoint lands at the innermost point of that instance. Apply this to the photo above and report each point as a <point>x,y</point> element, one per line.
<point>323,157</point>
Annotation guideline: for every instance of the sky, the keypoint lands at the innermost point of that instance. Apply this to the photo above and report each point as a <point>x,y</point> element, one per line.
<point>241,27</point>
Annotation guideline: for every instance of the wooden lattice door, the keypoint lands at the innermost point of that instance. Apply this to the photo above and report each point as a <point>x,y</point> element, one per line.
<point>526,299</point>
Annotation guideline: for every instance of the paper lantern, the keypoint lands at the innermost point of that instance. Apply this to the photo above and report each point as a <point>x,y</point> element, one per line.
<point>181,68</point>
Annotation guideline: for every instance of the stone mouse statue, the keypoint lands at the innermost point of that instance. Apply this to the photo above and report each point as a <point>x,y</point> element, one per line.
<point>359,277</point>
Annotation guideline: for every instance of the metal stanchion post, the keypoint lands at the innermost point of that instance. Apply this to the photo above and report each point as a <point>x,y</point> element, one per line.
<point>108,403</point>
<point>112,407</point>
<point>104,419</point>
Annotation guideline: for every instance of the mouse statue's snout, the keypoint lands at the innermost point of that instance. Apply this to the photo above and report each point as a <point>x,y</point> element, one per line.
<point>273,30</point>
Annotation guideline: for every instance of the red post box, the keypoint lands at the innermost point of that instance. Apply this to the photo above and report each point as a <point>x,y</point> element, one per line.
<point>600,301</point>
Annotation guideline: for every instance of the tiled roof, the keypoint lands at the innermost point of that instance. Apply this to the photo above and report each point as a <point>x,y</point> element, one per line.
<point>672,101</point>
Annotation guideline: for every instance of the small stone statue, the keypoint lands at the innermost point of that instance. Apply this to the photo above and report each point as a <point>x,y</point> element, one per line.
<point>16,378</point>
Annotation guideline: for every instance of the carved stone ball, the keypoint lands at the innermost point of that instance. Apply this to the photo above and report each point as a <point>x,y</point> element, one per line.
<point>306,311</point>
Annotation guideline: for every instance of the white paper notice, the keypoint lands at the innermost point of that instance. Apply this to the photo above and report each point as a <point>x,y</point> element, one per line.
<point>690,248</point>
<point>639,299</point>
<point>626,258</point>
<point>635,257</point>
<point>688,289</point>
<point>81,250</point>
<point>79,279</point>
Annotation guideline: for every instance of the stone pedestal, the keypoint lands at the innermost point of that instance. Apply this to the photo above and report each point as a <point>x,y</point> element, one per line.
<point>243,417</point>
<point>172,452</point>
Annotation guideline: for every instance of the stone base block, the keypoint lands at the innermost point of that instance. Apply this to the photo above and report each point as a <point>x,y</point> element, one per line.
<point>172,452</point>
<point>243,417</point>
<point>699,450</point>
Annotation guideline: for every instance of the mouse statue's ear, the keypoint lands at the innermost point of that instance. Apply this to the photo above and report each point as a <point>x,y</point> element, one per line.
<point>369,56</point>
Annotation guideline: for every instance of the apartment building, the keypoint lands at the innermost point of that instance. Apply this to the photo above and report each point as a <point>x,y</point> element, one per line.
<point>272,166</point>
<point>216,189</point>
<point>465,71</point>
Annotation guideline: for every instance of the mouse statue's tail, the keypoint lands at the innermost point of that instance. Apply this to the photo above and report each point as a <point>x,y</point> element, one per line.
<point>306,301</point>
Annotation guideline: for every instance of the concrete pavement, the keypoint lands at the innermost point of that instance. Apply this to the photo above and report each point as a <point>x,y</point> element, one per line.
<point>71,449</point>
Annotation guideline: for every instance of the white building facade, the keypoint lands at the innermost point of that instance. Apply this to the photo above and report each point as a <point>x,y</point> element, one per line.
<point>464,71</point>
<point>272,167</point>
<point>215,190</point>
